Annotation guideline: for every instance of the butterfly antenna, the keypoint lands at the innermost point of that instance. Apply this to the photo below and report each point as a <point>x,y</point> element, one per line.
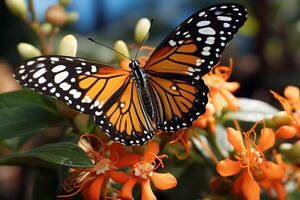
<point>91,39</point>
<point>141,44</point>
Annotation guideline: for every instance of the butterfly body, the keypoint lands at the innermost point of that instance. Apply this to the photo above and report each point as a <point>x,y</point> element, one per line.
<point>132,104</point>
<point>140,77</point>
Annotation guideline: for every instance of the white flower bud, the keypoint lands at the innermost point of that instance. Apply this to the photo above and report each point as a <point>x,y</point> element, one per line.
<point>120,46</point>
<point>64,3</point>
<point>141,29</point>
<point>28,51</point>
<point>68,46</point>
<point>72,17</point>
<point>17,7</point>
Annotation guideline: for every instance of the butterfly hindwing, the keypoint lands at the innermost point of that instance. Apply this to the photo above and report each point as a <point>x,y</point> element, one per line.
<point>187,54</point>
<point>105,92</point>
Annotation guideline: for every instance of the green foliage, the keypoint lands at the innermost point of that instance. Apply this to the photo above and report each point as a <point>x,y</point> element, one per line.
<point>63,153</point>
<point>26,112</point>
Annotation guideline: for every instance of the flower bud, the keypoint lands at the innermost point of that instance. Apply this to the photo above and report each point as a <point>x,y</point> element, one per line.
<point>293,154</point>
<point>282,118</point>
<point>28,51</point>
<point>292,93</point>
<point>141,29</point>
<point>64,3</point>
<point>17,7</point>
<point>72,17</point>
<point>46,27</point>
<point>68,46</point>
<point>56,15</point>
<point>120,46</point>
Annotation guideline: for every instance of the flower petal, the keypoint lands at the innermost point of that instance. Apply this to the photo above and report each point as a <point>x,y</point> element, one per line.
<point>292,93</point>
<point>147,193</point>
<point>232,102</point>
<point>237,189</point>
<point>163,181</point>
<point>118,176</point>
<point>126,191</point>
<point>228,167</point>
<point>231,86</point>
<point>281,191</point>
<point>250,188</point>
<point>128,160</point>
<point>92,190</point>
<point>266,140</point>
<point>152,148</point>
<point>286,132</point>
<point>116,151</point>
<point>272,170</point>
<point>236,139</point>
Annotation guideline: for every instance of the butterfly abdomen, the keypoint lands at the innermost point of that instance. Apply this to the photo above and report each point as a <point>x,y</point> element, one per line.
<point>139,75</point>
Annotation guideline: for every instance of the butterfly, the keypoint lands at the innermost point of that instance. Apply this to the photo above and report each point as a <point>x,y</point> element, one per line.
<point>132,104</point>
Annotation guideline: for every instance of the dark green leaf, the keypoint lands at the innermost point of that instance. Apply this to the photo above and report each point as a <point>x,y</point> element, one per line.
<point>64,153</point>
<point>250,111</point>
<point>25,112</point>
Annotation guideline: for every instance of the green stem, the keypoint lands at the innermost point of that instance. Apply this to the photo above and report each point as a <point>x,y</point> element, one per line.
<point>33,13</point>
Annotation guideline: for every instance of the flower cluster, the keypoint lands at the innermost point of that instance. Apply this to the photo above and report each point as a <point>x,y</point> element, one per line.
<point>291,104</point>
<point>109,162</point>
<point>250,163</point>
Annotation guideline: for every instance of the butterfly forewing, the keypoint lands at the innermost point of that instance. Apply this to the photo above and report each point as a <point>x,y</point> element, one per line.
<point>188,53</point>
<point>103,91</point>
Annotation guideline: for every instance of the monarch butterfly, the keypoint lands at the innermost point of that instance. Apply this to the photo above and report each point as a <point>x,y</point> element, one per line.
<point>131,104</point>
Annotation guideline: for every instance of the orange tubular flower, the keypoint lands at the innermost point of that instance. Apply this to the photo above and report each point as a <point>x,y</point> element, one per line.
<point>276,184</point>
<point>207,119</point>
<point>251,163</point>
<point>220,89</point>
<point>107,159</point>
<point>144,171</point>
<point>291,105</point>
<point>182,138</point>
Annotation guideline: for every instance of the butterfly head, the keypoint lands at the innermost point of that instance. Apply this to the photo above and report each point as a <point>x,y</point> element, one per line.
<point>134,64</point>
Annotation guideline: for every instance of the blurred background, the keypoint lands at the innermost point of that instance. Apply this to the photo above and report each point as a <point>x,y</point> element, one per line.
<point>266,51</point>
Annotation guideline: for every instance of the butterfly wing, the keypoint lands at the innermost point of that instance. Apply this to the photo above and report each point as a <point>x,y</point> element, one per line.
<point>175,68</point>
<point>103,91</point>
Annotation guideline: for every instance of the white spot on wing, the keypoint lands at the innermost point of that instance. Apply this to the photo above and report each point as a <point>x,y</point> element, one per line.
<point>65,86</point>
<point>30,62</point>
<point>207,31</point>
<point>39,73</point>
<point>224,18</point>
<point>58,68</point>
<point>203,23</point>
<point>42,80</point>
<point>61,76</point>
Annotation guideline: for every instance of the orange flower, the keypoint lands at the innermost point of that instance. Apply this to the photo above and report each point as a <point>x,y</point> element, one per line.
<point>251,162</point>
<point>182,139</point>
<point>107,159</point>
<point>207,120</point>
<point>278,183</point>
<point>144,171</point>
<point>291,105</point>
<point>220,90</point>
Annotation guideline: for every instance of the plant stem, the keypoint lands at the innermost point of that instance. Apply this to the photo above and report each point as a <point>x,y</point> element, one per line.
<point>36,26</point>
<point>32,10</point>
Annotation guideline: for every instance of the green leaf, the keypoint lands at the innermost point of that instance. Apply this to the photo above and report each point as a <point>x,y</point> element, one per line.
<point>250,111</point>
<point>27,98</point>
<point>25,112</point>
<point>64,153</point>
